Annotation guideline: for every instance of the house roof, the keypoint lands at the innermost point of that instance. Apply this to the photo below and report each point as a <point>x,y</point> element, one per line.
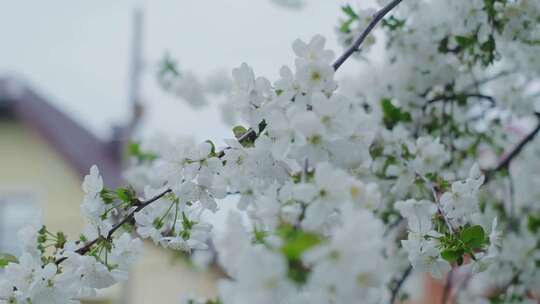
<point>76,144</point>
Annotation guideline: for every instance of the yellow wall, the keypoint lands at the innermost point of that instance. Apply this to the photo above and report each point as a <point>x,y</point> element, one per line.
<point>160,275</point>
<point>28,163</point>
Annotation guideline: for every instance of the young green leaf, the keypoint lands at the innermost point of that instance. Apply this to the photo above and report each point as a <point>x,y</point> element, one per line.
<point>5,259</point>
<point>451,255</point>
<point>473,237</point>
<point>123,194</point>
<point>238,131</point>
<point>298,242</point>
<point>349,11</point>
<point>392,114</point>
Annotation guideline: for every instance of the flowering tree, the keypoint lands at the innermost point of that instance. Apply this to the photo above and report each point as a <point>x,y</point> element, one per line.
<point>410,167</point>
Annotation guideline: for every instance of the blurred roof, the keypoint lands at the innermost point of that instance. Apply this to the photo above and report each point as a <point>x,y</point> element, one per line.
<point>76,144</point>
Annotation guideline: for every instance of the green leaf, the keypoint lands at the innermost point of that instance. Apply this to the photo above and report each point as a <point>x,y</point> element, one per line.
<point>393,23</point>
<point>349,11</point>
<point>352,16</point>
<point>249,140</point>
<point>473,237</point>
<point>533,223</point>
<point>107,195</point>
<point>259,236</point>
<point>168,71</point>
<point>392,114</point>
<point>465,41</point>
<point>238,131</point>
<point>489,45</point>
<point>186,223</point>
<point>123,194</point>
<point>346,26</point>
<point>134,150</point>
<point>212,149</point>
<point>297,242</point>
<point>5,259</point>
<point>489,49</point>
<point>451,255</point>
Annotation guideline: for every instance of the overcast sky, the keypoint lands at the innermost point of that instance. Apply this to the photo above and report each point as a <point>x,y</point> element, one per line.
<point>77,52</point>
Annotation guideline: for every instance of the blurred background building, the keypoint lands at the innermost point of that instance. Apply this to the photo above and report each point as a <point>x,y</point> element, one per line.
<point>44,156</point>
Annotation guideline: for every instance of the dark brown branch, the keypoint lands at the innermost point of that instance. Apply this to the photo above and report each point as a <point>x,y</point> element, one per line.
<point>466,95</point>
<point>141,205</point>
<point>249,135</point>
<point>503,289</point>
<point>378,16</point>
<point>489,79</point>
<point>505,162</point>
<point>399,283</point>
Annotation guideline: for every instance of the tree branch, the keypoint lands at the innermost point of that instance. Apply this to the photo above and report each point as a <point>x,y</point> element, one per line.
<point>399,284</point>
<point>141,205</point>
<point>249,135</point>
<point>378,16</point>
<point>437,202</point>
<point>489,79</point>
<point>505,162</point>
<point>466,95</point>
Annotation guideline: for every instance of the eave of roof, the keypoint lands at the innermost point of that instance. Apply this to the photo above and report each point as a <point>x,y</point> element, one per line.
<point>77,145</point>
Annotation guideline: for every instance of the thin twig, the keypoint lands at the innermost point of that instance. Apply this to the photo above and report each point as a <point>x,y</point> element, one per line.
<point>83,250</point>
<point>505,162</point>
<point>437,202</point>
<point>399,284</point>
<point>514,280</point>
<point>486,80</point>
<point>139,208</point>
<point>511,196</point>
<point>466,95</point>
<point>378,16</point>
<point>393,225</point>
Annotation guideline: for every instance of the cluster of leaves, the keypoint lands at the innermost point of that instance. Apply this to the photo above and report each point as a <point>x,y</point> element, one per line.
<point>123,197</point>
<point>392,23</point>
<point>484,52</point>
<point>470,239</point>
<point>393,114</point>
<point>351,17</point>
<point>489,8</point>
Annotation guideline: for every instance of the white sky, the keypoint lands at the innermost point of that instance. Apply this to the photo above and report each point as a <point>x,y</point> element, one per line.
<point>77,52</point>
